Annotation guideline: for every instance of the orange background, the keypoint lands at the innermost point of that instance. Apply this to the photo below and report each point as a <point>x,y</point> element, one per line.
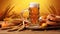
<point>20,5</point>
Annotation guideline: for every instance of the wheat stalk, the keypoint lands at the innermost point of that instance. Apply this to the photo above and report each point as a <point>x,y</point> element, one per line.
<point>3,16</point>
<point>53,9</point>
<point>6,12</point>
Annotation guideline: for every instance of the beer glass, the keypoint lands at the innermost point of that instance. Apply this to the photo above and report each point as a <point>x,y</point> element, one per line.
<point>34,13</point>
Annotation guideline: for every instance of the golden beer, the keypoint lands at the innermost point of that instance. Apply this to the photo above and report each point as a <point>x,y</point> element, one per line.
<point>34,13</point>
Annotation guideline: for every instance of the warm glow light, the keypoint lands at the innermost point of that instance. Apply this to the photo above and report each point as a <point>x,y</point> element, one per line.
<point>20,5</point>
<point>23,4</point>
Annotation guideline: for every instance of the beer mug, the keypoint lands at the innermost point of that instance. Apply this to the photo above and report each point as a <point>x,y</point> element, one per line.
<point>34,13</point>
<point>25,14</point>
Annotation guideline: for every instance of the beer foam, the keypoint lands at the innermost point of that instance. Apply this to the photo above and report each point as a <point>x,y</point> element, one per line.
<point>34,4</point>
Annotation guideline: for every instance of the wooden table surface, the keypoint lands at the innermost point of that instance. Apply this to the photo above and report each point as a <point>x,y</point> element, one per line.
<point>31,32</point>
